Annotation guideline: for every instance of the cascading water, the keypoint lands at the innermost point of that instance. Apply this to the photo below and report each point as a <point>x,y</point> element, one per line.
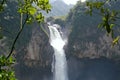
<point>59,66</point>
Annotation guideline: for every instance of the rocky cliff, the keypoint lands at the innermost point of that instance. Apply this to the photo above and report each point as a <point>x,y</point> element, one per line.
<point>85,39</point>
<point>38,49</point>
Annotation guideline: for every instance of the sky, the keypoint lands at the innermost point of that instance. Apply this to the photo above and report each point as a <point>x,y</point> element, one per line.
<point>72,1</point>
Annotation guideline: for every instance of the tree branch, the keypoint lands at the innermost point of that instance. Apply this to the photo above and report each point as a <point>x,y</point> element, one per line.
<point>16,38</point>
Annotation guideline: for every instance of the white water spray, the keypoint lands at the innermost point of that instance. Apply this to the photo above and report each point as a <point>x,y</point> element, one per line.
<point>59,66</point>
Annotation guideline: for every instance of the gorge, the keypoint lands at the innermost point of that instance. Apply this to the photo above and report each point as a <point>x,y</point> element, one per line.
<point>86,56</point>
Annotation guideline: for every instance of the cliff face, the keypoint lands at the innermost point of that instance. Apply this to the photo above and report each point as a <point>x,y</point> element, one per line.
<point>93,69</point>
<point>38,49</point>
<point>85,39</point>
<point>34,60</point>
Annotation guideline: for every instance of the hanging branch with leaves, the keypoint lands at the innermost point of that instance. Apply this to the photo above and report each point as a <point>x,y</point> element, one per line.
<point>30,11</point>
<point>109,16</point>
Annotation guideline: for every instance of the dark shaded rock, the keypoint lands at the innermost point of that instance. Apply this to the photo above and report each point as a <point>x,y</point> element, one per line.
<point>93,69</point>
<point>35,60</point>
<point>38,51</point>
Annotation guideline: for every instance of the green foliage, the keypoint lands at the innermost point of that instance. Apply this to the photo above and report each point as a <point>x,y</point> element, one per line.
<point>6,68</point>
<point>33,8</point>
<point>115,41</point>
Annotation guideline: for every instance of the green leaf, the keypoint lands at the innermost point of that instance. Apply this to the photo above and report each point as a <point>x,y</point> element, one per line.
<point>29,20</point>
<point>20,10</point>
<point>115,41</point>
<point>46,1</point>
<point>112,25</point>
<point>0,76</point>
<point>100,25</point>
<point>32,10</point>
<point>39,17</point>
<point>104,18</point>
<point>11,60</point>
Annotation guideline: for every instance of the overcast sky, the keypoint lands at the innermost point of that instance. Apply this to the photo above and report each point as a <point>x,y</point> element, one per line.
<point>72,1</point>
<point>69,1</point>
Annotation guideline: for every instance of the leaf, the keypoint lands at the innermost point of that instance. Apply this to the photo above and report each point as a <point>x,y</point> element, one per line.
<point>11,60</point>
<point>112,25</point>
<point>29,20</point>
<point>46,1</point>
<point>115,41</point>
<point>32,10</point>
<point>20,10</point>
<point>0,76</point>
<point>104,18</point>
<point>100,25</point>
<point>40,17</point>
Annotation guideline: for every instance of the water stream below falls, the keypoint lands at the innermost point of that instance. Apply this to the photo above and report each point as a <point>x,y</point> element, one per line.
<point>59,64</point>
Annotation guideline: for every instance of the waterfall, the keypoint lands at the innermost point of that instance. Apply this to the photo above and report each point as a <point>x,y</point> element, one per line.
<point>59,64</point>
